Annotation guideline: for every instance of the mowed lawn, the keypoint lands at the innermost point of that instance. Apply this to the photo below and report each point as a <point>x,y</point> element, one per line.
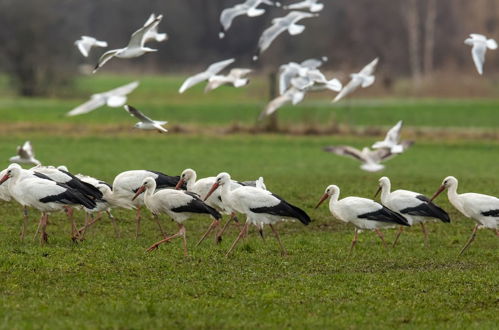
<point>108,282</point>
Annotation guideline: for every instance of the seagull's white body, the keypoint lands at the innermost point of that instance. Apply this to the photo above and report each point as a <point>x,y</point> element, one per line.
<point>312,5</point>
<point>211,71</point>
<point>85,44</point>
<point>293,95</point>
<point>249,8</point>
<point>364,79</point>
<point>480,44</point>
<point>392,140</point>
<point>415,207</point>
<point>145,122</point>
<point>135,47</point>
<point>371,159</point>
<point>280,25</point>
<point>25,155</point>
<point>114,98</point>
<point>152,34</point>
<point>236,77</point>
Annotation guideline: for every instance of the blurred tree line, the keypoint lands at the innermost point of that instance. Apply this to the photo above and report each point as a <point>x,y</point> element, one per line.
<point>413,38</point>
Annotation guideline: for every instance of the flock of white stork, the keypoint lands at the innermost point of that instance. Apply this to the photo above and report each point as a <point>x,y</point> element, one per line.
<point>49,189</point>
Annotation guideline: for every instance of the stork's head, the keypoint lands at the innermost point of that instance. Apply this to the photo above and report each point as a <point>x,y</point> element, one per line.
<point>147,184</point>
<point>186,176</point>
<point>221,179</point>
<point>383,182</point>
<point>448,182</point>
<point>330,191</point>
<point>11,172</point>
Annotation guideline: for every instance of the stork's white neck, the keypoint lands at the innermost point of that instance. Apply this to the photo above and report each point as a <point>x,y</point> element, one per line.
<point>333,199</point>
<point>452,193</point>
<point>191,182</point>
<point>385,191</point>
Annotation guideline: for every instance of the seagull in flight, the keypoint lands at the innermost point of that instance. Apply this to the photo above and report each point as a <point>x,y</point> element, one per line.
<point>25,155</point>
<point>280,25</point>
<point>205,75</point>
<point>371,159</point>
<point>312,5</point>
<point>114,98</point>
<point>135,47</point>
<point>480,44</point>
<point>86,43</point>
<point>236,77</point>
<point>249,8</point>
<point>152,34</point>
<point>364,78</point>
<point>145,122</point>
<point>392,140</point>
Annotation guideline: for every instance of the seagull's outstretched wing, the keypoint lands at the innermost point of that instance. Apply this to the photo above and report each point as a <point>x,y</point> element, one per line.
<point>95,102</point>
<point>122,90</point>
<point>137,40</point>
<point>137,114</point>
<point>105,58</point>
<point>352,85</point>
<point>312,63</point>
<point>270,34</point>
<point>228,15</point>
<point>26,151</point>
<point>347,151</point>
<point>84,44</point>
<point>393,134</point>
<point>478,53</point>
<point>205,75</point>
<point>369,69</point>
<point>239,73</point>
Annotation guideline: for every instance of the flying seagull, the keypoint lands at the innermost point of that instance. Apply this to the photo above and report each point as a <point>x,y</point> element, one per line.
<point>236,77</point>
<point>145,122</point>
<point>479,44</point>
<point>86,43</point>
<point>364,78</point>
<point>312,5</point>
<point>25,155</point>
<point>293,95</point>
<point>280,25</point>
<point>114,98</point>
<point>135,47</point>
<point>249,8</point>
<point>392,140</point>
<point>205,75</point>
<point>152,34</point>
<point>370,159</point>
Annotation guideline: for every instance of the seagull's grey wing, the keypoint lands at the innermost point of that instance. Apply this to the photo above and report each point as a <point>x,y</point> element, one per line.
<point>269,35</point>
<point>478,52</point>
<point>352,85</point>
<point>26,151</point>
<point>122,90</point>
<point>193,80</point>
<point>150,19</point>
<point>83,46</point>
<point>382,154</point>
<point>137,38</point>
<point>311,63</point>
<point>105,58</point>
<point>393,134</point>
<point>219,66</point>
<point>369,69</point>
<point>347,151</point>
<point>288,72</point>
<point>239,72</point>
<point>274,105</point>
<point>228,15</point>
<point>95,102</point>
<point>301,83</point>
<point>137,114</point>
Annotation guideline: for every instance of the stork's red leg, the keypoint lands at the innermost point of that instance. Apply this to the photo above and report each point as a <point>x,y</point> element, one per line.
<point>241,234</point>
<point>213,225</point>
<point>401,229</point>
<point>380,234</point>
<point>354,241</point>
<point>283,250</point>
<point>425,232</point>
<point>472,238</point>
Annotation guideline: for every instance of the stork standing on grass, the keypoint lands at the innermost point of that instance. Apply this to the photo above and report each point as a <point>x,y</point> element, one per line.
<point>484,209</point>
<point>260,207</point>
<point>363,213</point>
<point>415,207</point>
<point>178,204</point>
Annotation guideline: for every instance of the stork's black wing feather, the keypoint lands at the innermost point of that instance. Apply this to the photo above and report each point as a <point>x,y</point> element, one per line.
<point>427,209</point>
<point>284,209</point>
<point>385,215</point>
<point>196,205</point>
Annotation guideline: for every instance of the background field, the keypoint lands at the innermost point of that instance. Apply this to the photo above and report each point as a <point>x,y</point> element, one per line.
<point>112,283</point>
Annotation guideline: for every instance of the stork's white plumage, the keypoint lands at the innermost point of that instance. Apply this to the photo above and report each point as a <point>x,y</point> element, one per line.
<point>260,206</point>
<point>25,155</point>
<point>480,44</point>
<point>135,47</point>
<point>483,209</point>
<point>364,79</point>
<point>415,207</point>
<point>178,204</point>
<point>126,184</point>
<point>363,213</point>
<point>47,196</point>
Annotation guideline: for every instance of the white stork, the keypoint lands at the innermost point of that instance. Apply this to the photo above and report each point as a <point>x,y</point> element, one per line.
<point>45,195</point>
<point>484,209</point>
<point>363,213</point>
<point>415,207</point>
<point>202,187</point>
<point>127,183</point>
<point>180,205</point>
<point>260,207</point>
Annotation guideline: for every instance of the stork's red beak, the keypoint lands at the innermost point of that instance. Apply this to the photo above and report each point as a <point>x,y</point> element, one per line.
<point>179,184</point>
<point>377,192</point>
<point>5,178</point>
<point>442,188</point>
<point>323,198</point>
<point>140,191</point>
<point>213,188</point>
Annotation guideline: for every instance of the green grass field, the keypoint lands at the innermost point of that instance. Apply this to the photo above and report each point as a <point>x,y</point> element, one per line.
<point>108,282</point>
